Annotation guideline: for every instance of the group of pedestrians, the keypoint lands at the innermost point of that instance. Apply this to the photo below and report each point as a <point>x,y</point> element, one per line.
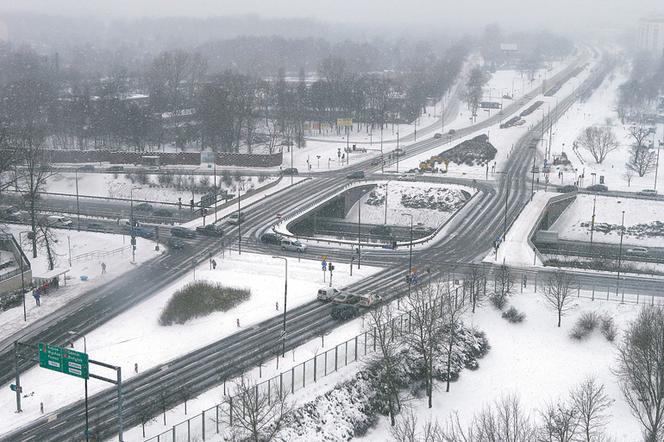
<point>44,288</point>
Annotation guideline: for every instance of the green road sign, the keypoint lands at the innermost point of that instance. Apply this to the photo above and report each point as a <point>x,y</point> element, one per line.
<point>64,360</point>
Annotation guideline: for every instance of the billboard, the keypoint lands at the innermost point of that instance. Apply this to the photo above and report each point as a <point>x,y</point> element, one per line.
<point>345,122</point>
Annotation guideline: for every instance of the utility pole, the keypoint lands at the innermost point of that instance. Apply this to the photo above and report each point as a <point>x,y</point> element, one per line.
<point>397,152</point>
<point>622,232</point>
<point>78,210</point>
<point>239,218</point>
<point>216,191</point>
<point>359,231</point>
<point>532,183</point>
<point>18,379</point>
<point>661,143</point>
<point>410,252</point>
<point>592,223</point>
<point>386,192</point>
<point>507,195</point>
<point>283,333</point>
<point>382,155</point>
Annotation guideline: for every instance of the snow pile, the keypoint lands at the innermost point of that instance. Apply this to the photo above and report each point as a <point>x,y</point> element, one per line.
<point>439,199</point>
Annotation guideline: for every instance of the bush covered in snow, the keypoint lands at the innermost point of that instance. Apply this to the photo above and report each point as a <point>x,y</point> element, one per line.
<point>589,322</point>
<point>513,315</point>
<point>353,407</point>
<point>436,198</point>
<point>608,328</point>
<point>200,299</point>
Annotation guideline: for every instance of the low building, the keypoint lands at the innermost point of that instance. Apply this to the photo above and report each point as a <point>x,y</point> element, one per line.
<point>15,270</point>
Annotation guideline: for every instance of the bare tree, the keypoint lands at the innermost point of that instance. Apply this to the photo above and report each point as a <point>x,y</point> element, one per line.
<point>638,135</point>
<point>426,327</point>
<point>641,160</point>
<point>640,370</point>
<point>558,292</point>
<point>381,326</point>
<point>45,239</point>
<point>254,413</point>
<point>474,282</point>
<point>406,430</point>
<point>599,141</point>
<point>476,80</point>
<point>629,174</point>
<point>453,310</point>
<point>503,286</point>
<point>560,422</point>
<point>591,403</point>
<point>147,413</point>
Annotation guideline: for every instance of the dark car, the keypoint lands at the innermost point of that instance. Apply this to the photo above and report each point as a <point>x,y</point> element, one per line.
<point>567,189</point>
<point>438,135</point>
<point>87,168</point>
<point>290,171</point>
<point>344,312</point>
<point>116,169</point>
<point>164,213</point>
<point>357,175</point>
<point>597,188</point>
<point>383,231</point>
<point>271,238</point>
<point>451,132</point>
<point>97,227</point>
<point>210,230</point>
<point>144,232</point>
<point>376,161</point>
<point>182,232</point>
<point>175,243</point>
<point>143,207</point>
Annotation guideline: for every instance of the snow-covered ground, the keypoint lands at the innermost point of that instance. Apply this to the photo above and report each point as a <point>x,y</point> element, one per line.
<point>600,110</point>
<point>135,337</point>
<point>88,251</point>
<point>430,204</point>
<point>535,360</point>
<point>119,185</point>
<point>608,210</point>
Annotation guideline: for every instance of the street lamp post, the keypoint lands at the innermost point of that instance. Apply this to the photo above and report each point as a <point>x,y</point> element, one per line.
<point>622,232</point>
<point>382,155</point>
<point>216,191</point>
<point>85,350</point>
<point>397,152</point>
<point>132,223</point>
<point>239,219</point>
<point>359,231</point>
<point>592,223</point>
<point>410,252</point>
<point>283,333</point>
<point>78,209</point>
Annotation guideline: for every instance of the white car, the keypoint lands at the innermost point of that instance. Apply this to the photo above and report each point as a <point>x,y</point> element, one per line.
<point>293,245</point>
<point>637,251</point>
<point>327,293</point>
<point>59,221</point>
<point>369,300</point>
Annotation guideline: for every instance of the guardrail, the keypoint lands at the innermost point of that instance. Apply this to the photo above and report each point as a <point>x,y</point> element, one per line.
<point>96,254</point>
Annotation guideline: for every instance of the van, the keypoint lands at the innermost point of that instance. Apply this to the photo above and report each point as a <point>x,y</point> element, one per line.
<point>369,300</point>
<point>327,293</point>
<point>637,251</point>
<point>293,245</point>
<point>59,221</point>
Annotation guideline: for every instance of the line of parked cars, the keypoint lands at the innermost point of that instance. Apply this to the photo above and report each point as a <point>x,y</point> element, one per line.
<point>346,305</point>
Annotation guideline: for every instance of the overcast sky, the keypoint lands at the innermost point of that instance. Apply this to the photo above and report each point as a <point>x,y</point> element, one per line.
<point>556,14</point>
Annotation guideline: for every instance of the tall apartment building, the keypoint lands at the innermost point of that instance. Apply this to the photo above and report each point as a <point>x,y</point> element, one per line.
<point>650,35</point>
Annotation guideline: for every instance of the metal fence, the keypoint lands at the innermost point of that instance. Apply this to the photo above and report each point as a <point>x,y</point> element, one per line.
<point>96,254</point>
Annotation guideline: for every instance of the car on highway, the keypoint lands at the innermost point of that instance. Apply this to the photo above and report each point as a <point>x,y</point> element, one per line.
<point>293,245</point>
<point>59,221</point>
<point>271,238</point>
<point>236,218</point>
<point>182,232</point>
<point>369,300</point>
<point>210,230</point>
<point>143,207</point>
<point>357,175</point>
<point>346,298</point>
<point>116,169</point>
<point>597,188</point>
<point>95,226</point>
<point>647,192</point>
<point>175,243</point>
<point>164,213</point>
<point>290,171</point>
<point>144,232</point>
<point>422,229</point>
<point>637,251</point>
<point>567,189</point>
<point>344,312</point>
<point>376,161</point>
<point>327,293</point>
<point>381,230</point>
<point>451,132</point>
<point>87,168</point>
<point>406,177</point>
<point>438,135</point>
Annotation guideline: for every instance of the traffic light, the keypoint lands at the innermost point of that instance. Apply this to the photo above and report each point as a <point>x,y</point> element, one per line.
<point>331,267</point>
<point>12,387</point>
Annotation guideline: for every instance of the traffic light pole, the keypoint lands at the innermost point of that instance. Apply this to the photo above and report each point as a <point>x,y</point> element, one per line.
<point>18,378</point>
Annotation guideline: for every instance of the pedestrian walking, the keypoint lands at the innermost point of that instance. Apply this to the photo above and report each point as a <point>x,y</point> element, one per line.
<point>36,294</point>
<point>135,367</point>
<point>41,407</point>
<point>103,268</point>
<point>277,306</point>
<point>214,264</point>
<point>238,322</point>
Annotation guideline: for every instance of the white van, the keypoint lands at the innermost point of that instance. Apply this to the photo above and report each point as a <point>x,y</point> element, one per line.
<point>59,221</point>
<point>293,245</point>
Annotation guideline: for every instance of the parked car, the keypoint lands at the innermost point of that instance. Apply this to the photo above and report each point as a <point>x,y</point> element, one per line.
<point>357,175</point>
<point>327,293</point>
<point>164,213</point>
<point>438,135</point>
<point>421,229</point>
<point>210,230</point>
<point>597,188</point>
<point>567,189</point>
<point>143,207</point>
<point>451,132</point>
<point>290,171</point>
<point>175,243</point>
<point>376,161</point>
<point>346,298</point>
<point>406,177</point>
<point>344,312</point>
<point>144,232</point>
<point>637,251</point>
<point>87,168</point>
<point>293,245</point>
<point>648,192</point>
<point>236,218</point>
<point>369,300</point>
<point>271,238</point>
<point>182,232</point>
<point>116,169</point>
<point>59,221</point>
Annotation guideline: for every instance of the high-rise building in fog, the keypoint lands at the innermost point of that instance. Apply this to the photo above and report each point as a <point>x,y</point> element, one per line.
<point>651,35</point>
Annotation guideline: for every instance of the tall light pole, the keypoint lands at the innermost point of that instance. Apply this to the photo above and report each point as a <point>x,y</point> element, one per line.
<point>622,232</point>
<point>397,152</point>
<point>216,191</point>
<point>386,190</point>
<point>85,350</point>
<point>507,195</point>
<point>283,332</point>
<point>239,219</point>
<point>659,145</point>
<point>78,210</point>
<point>592,223</point>
<point>359,231</point>
<point>382,155</point>
<point>132,223</point>
<point>410,252</point>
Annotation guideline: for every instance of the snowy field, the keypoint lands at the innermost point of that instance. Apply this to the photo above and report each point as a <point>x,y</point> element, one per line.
<point>430,204</point>
<point>600,110</point>
<point>535,360</point>
<point>119,185</point>
<point>135,337</point>
<point>88,251</point>
<point>609,211</point>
